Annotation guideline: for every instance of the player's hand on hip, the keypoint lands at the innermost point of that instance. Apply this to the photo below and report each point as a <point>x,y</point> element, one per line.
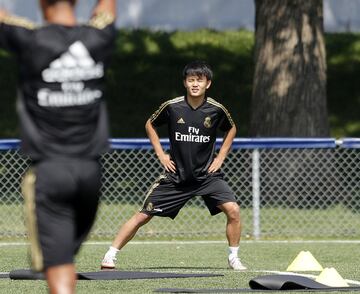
<point>168,164</point>
<point>215,165</point>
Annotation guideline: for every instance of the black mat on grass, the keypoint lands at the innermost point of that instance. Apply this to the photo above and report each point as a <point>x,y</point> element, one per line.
<point>289,282</point>
<point>130,275</point>
<point>248,290</point>
<point>26,274</point>
<point>284,282</point>
<point>271,283</point>
<point>4,275</point>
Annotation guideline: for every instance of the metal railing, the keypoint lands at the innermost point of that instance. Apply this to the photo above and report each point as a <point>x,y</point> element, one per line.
<point>286,188</point>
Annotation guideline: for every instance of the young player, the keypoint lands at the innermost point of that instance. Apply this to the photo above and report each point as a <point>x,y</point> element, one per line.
<point>191,168</point>
<point>64,130</point>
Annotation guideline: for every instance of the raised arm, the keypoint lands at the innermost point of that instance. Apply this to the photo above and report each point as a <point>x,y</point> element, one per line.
<point>164,158</point>
<point>3,14</point>
<point>105,6</point>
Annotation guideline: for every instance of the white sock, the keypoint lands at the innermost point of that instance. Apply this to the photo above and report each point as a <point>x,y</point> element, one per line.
<point>233,251</point>
<point>112,251</point>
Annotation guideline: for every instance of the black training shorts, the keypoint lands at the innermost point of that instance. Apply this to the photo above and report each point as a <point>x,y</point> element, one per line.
<point>166,198</point>
<point>61,199</point>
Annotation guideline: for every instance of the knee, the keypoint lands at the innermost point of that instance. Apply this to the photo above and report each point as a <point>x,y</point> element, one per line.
<point>142,218</point>
<point>233,212</point>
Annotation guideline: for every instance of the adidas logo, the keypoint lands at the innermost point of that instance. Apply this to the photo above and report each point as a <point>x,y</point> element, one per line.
<point>181,121</point>
<point>74,65</point>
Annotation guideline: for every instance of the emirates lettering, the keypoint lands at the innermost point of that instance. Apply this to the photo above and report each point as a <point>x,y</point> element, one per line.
<point>48,98</point>
<point>192,136</point>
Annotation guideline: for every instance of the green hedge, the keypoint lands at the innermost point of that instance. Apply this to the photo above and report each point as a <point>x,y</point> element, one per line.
<point>146,70</point>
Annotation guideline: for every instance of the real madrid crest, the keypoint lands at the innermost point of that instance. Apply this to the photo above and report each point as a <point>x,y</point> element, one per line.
<point>207,122</point>
<point>149,207</point>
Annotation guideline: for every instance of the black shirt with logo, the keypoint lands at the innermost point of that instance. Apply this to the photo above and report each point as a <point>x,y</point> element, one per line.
<point>61,85</point>
<point>192,135</point>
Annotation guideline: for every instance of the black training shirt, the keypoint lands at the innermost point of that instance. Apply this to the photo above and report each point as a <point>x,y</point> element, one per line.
<point>61,85</point>
<point>192,134</point>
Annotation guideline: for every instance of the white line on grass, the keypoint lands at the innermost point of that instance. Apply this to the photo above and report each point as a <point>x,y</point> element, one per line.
<point>3,244</point>
<point>223,242</point>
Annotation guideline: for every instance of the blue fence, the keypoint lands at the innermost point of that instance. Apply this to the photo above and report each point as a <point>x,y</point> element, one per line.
<point>239,143</point>
<point>286,188</point>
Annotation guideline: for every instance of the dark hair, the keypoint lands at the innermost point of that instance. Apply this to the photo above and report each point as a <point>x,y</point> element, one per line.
<point>51,2</point>
<point>198,68</point>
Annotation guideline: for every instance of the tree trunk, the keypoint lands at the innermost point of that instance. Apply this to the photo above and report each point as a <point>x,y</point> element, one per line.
<point>289,95</point>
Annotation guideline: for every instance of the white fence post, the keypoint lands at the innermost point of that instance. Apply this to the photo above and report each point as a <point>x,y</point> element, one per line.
<point>256,192</point>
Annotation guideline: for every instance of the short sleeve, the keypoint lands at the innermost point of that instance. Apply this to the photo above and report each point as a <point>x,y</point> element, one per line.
<point>14,33</point>
<point>103,21</point>
<point>161,115</point>
<point>226,122</point>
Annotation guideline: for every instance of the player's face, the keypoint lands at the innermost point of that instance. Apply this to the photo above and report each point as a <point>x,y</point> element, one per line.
<point>196,85</point>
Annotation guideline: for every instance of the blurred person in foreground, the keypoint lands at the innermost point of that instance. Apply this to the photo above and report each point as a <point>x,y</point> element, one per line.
<point>64,128</point>
<point>191,169</point>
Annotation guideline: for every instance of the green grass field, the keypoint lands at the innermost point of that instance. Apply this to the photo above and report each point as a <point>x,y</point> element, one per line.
<point>186,257</point>
<point>335,222</point>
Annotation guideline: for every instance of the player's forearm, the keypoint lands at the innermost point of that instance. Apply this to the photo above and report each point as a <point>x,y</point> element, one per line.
<point>227,142</point>
<point>154,139</point>
<point>105,6</point>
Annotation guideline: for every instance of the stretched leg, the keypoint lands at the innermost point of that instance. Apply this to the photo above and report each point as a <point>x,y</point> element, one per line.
<point>233,233</point>
<point>129,229</point>
<point>163,199</point>
<point>61,279</point>
<point>125,234</point>
<point>233,224</point>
